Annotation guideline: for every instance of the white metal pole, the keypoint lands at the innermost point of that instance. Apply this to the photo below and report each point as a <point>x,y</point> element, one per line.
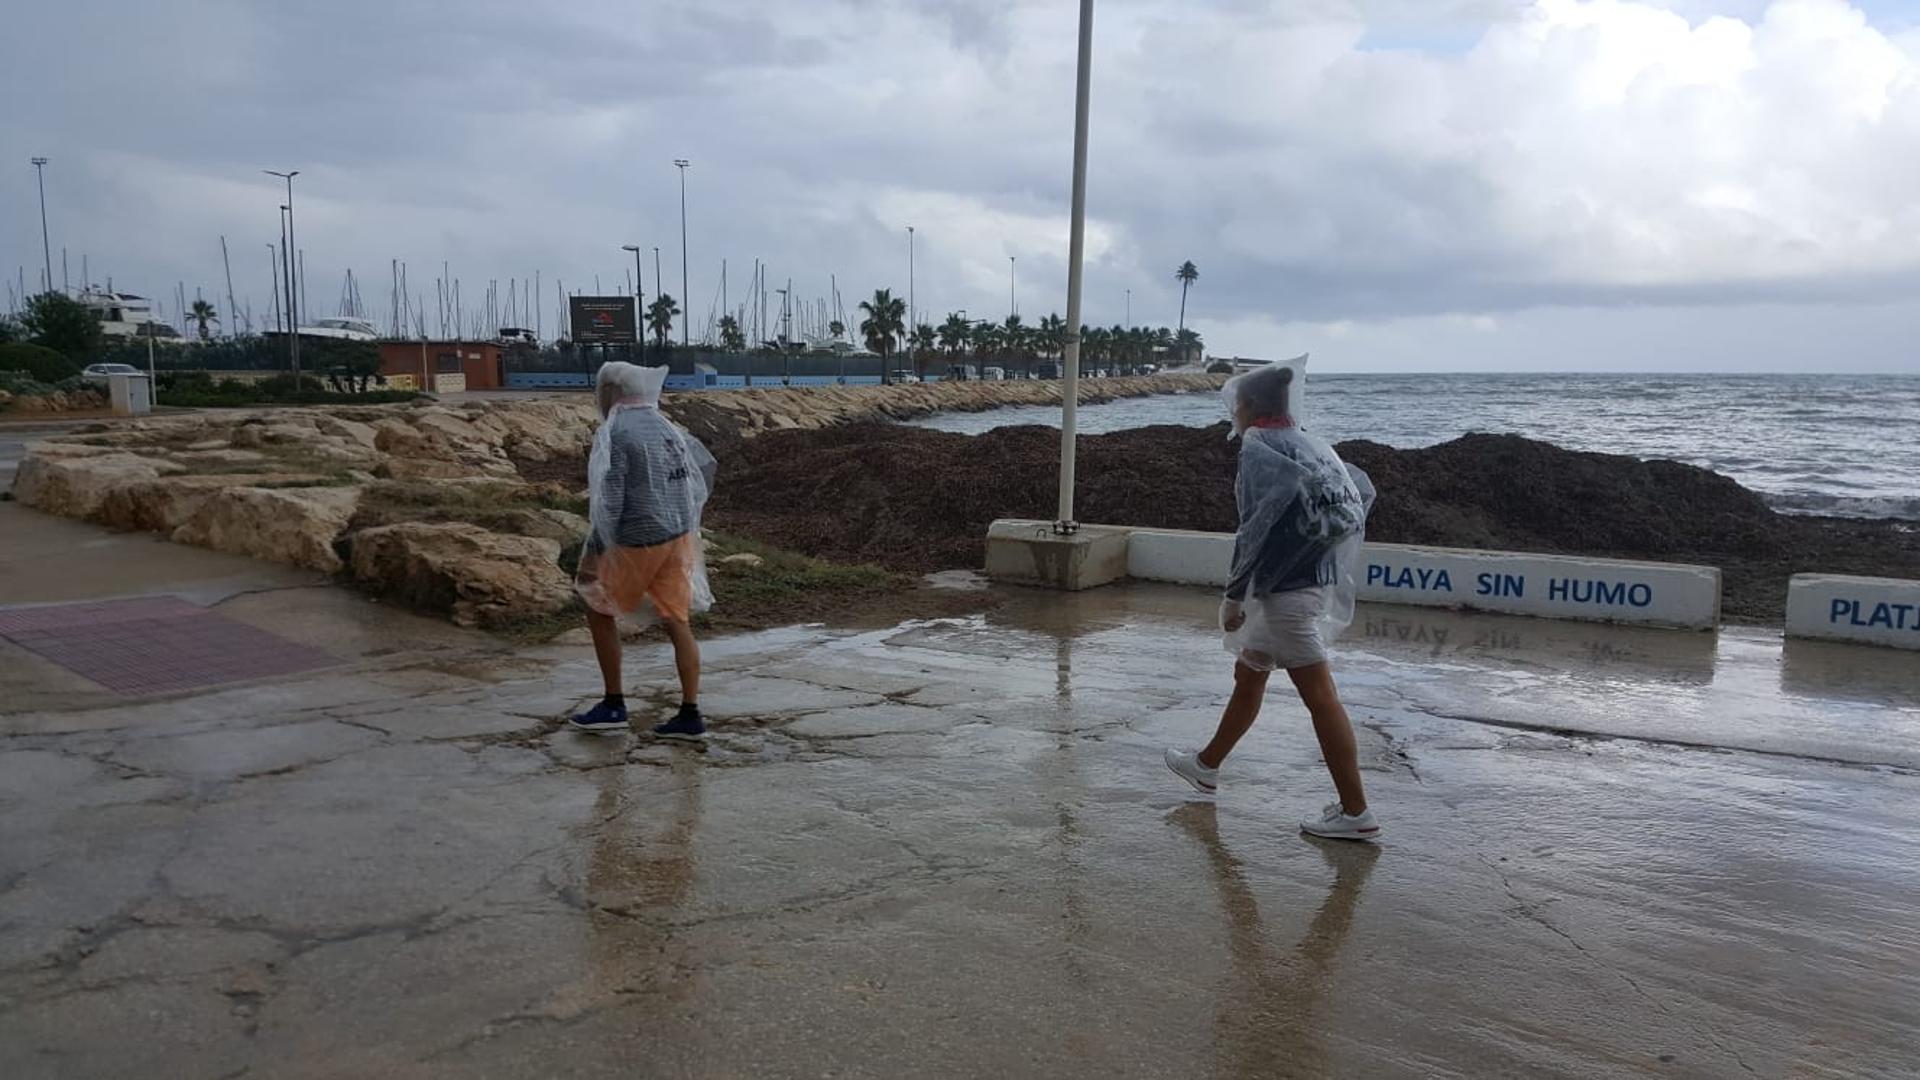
<point>1076,250</point>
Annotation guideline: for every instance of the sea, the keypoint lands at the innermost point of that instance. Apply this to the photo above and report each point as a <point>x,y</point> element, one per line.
<point>1838,445</point>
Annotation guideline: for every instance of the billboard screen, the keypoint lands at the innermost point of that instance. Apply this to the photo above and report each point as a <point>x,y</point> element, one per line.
<point>602,320</point>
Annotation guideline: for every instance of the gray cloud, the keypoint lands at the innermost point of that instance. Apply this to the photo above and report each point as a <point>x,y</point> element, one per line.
<point>1329,164</point>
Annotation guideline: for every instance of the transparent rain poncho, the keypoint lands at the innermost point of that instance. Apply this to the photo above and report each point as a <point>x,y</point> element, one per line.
<point>1303,515</point>
<point>647,483</point>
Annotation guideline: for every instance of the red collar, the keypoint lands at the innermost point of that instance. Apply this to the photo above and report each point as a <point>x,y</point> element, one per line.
<point>1273,422</point>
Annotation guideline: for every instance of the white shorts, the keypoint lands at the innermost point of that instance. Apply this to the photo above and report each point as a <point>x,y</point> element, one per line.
<point>1283,630</point>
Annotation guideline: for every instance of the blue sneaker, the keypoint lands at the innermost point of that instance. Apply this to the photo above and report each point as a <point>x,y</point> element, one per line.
<point>686,724</point>
<point>605,718</point>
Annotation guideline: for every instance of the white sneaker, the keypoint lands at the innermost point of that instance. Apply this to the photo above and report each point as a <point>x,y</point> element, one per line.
<point>1186,765</point>
<point>1335,823</point>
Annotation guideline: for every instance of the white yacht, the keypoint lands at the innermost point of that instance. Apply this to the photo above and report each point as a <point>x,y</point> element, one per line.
<point>124,315</point>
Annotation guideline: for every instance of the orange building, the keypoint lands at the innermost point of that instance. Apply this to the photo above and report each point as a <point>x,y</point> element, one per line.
<point>444,367</point>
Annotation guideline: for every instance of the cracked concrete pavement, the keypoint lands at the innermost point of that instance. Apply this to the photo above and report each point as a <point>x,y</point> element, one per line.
<point>950,848</point>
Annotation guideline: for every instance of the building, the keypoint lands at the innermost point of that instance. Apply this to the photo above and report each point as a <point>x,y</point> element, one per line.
<point>444,367</point>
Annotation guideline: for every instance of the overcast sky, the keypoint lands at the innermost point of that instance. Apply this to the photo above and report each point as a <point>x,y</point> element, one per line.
<point>1392,184</point>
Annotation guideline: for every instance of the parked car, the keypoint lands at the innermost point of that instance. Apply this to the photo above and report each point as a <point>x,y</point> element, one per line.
<point>994,374</point>
<point>100,372</point>
<point>902,375</point>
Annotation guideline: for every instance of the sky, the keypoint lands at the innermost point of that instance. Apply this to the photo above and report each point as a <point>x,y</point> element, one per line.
<point>1392,185</point>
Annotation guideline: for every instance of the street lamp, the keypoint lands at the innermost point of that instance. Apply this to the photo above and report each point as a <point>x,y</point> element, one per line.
<point>46,247</point>
<point>293,308</point>
<point>1076,252</point>
<point>914,351</point>
<point>1013,305</point>
<point>639,295</point>
<point>686,323</point>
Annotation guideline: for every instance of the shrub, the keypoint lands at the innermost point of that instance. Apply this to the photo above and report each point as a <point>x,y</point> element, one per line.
<point>43,364</point>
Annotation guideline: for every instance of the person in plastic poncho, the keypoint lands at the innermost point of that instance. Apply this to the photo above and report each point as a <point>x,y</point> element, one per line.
<point>647,483</point>
<point>1303,515</point>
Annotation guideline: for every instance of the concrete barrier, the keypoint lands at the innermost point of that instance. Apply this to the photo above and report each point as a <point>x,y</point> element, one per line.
<point>1548,586</point>
<point>1875,611</point>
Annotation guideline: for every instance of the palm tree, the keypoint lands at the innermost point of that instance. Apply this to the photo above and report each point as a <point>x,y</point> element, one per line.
<point>954,334</point>
<point>1186,275</point>
<point>731,339</point>
<point>986,345</point>
<point>886,319</point>
<point>202,314</point>
<point>660,315</point>
<point>923,338</point>
<point>1052,337</point>
<point>836,328</point>
<point>1093,345</point>
<point>1188,346</point>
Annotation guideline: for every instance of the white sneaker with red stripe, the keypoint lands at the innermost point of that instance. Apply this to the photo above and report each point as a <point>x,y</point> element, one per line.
<point>1186,765</point>
<point>1335,823</point>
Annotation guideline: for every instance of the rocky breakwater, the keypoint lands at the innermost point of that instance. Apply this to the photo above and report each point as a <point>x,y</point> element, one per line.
<point>469,510</point>
<point>421,502</point>
<point>721,418</point>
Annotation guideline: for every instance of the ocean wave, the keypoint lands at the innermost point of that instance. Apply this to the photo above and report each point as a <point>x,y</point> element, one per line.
<point>1876,507</point>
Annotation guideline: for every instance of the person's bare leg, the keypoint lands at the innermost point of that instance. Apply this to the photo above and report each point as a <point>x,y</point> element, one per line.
<point>606,649</point>
<point>1249,687</point>
<point>1335,732</point>
<point>686,659</point>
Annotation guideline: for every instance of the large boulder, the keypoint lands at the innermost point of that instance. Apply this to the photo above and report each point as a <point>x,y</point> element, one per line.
<point>483,578</point>
<point>296,526</point>
<point>165,504</point>
<point>74,485</point>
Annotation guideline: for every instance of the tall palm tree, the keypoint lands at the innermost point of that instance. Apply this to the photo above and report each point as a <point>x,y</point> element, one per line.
<point>731,339</point>
<point>923,338</point>
<point>1015,340</point>
<point>886,320</point>
<point>1186,275</point>
<point>836,328</point>
<point>203,314</point>
<point>660,315</point>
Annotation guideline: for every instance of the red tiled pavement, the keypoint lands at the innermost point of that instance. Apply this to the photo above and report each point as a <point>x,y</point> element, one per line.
<point>154,645</point>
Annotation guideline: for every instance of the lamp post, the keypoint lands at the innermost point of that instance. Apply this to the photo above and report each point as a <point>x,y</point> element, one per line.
<point>46,247</point>
<point>1013,302</point>
<point>659,285</point>
<point>686,323</point>
<point>1076,251</point>
<point>293,309</point>
<point>639,295</point>
<point>914,351</point>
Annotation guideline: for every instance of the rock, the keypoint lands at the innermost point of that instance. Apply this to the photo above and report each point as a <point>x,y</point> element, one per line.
<point>745,560</point>
<point>165,504</point>
<point>483,578</point>
<point>406,467</point>
<point>363,435</point>
<point>296,526</point>
<point>208,444</point>
<point>213,459</point>
<point>267,434</point>
<point>74,485</point>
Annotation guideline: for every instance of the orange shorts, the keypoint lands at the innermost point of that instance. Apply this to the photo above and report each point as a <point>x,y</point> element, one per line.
<point>616,582</point>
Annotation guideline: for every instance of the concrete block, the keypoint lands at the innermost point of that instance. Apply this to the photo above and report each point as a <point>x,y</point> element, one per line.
<point>1029,553</point>
<point>1874,611</point>
<point>1181,557</point>
<point>1550,586</point>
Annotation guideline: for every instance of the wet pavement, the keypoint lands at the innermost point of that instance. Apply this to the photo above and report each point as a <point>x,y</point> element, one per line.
<point>951,849</point>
